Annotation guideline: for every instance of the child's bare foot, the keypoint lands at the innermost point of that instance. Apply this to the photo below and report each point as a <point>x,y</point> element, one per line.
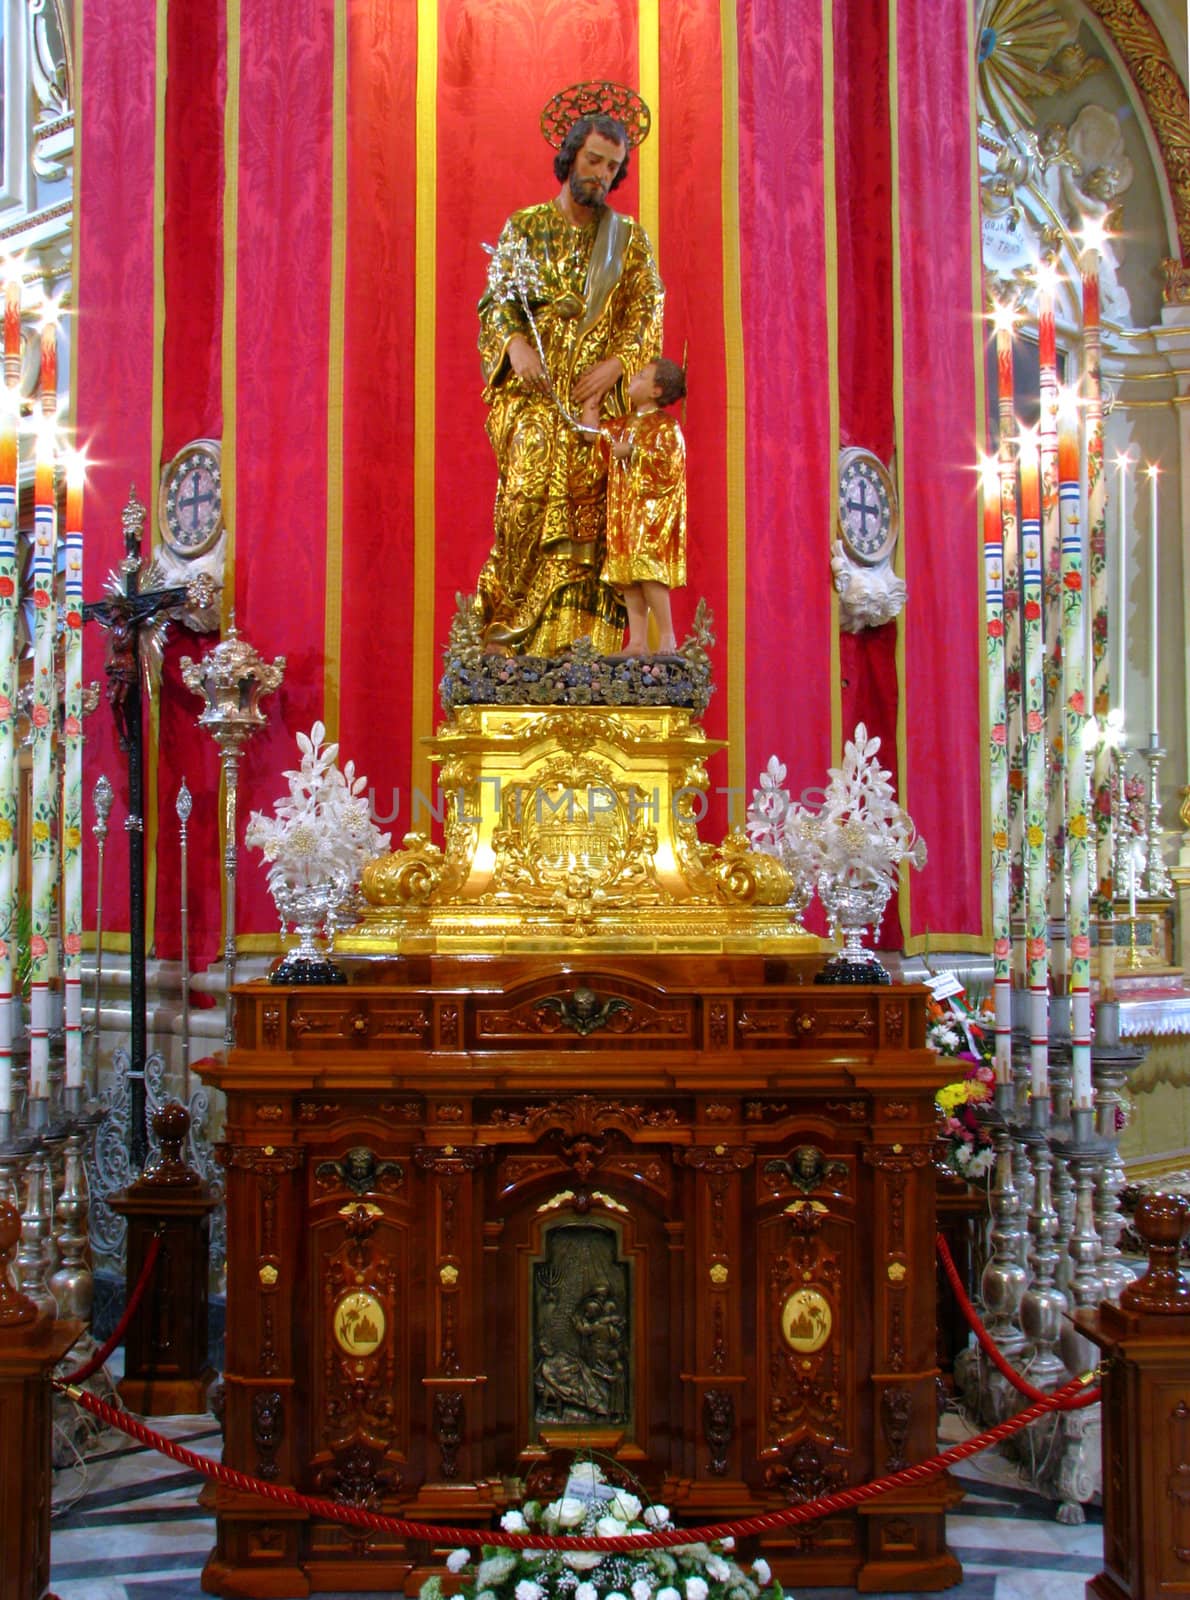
<point>634,651</point>
<point>667,645</point>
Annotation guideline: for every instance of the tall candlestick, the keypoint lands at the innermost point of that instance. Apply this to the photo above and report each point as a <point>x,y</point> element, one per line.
<point>1098,604</point>
<point>45,798</point>
<point>993,559</point>
<point>1154,611</point>
<point>1003,318</point>
<point>1120,620</point>
<point>1033,672</point>
<point>1053,636</point>
<point>9,773</point>
<point>1078,906</point>
<point>72,777</point>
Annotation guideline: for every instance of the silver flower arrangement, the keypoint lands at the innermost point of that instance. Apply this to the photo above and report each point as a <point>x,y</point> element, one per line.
<point>849,847</point>
<point>316,845</point>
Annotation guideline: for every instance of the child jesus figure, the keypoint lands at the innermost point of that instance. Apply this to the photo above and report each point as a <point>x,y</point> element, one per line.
<point>646,502</point>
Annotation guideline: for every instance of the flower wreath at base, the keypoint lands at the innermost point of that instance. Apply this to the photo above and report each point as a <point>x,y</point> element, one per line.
<point>589,1506</point>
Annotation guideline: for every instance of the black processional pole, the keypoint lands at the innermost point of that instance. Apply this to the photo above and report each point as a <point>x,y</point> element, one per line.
<point>129,614</point>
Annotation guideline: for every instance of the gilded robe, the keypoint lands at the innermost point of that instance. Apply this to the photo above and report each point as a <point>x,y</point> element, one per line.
<point>540,587</point>
<point>646,503</point>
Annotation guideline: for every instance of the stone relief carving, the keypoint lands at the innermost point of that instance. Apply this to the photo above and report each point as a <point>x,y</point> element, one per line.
<point>582,1348</point>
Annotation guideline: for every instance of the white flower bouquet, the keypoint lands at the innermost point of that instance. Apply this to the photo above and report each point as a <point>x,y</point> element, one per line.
<point>316,845</point>
<point>591,1506</point>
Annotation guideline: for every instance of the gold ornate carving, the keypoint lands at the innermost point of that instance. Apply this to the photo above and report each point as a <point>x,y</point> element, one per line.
<point>897,1271</point>
<point>268,1275</point>
<point>359,1323</point>
<point>719,1273</point>
<point>574,825</point>
<point>448,1275</point>
<point>1152,69</point>
<point>806,1320</point>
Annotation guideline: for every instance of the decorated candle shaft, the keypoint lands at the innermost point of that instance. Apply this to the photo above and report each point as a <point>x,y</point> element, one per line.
<point>72,781</point>
<point>1053,633</point>
<point>9,413</point>
<point>1097,595</point>
<point>1033,686</point>
<point>993,559</point>
<point>1012,621</point>
<point>1154,612</point>
<point>44,811</point>
<point>1078,910</point>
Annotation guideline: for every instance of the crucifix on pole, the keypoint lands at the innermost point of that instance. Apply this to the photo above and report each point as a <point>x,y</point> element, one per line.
<point>134,615</point>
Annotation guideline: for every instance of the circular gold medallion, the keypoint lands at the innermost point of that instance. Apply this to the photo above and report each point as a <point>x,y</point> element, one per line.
<point>359,1323</point>
<point>806,1320</point>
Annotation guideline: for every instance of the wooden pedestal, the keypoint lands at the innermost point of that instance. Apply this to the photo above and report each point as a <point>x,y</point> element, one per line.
<point>1145,1342</point>
<point>414,1163</point>
<point>165,1352</point>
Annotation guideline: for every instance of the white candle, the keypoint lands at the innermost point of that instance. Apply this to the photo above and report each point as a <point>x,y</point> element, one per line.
<point>1154,723</point>
<point>1121,625</point>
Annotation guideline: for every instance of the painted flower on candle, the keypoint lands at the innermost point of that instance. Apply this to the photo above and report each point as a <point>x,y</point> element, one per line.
<point>5,707</point>
<point>41,831</point>
<point>1035,836</point>
<point>999,733</point>
<point>1032,610</point>
<point>40,715</point>
<point>1016,779</point>
<point>1073,580</point>
<point>999,840</point>
<point>5,830</point>
<point>74,619</point>
<point>38,946</point>
<point>1101,705</point>
<point>3,949</point>
<point>1077,702</point>
<point>72,727</point>
<point>7,588</point>
<point>1078,825</point>
<point>72,944</point>
<point>72,838</point>
<point>1035,949</point>
<point>1002,948</point>
<point>1034,722</point>
<point>41,598</point>
<point>995,628</point>
<point>1080,946</point>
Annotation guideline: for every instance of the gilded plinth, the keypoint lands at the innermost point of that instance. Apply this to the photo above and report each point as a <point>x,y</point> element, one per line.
<point>574,827</point>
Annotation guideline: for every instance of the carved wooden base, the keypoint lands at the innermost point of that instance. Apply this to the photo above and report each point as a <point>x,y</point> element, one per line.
<point>27,1358</point>
<point>480,1212</point>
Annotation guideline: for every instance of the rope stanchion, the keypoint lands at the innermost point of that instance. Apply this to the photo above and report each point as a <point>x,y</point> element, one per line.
<point>1072,1396</point>
<point>986,1343</point>
<point>90,1367</point>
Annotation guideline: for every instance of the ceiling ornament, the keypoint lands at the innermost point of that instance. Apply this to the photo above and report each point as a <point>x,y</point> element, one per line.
<point>1026,52</point>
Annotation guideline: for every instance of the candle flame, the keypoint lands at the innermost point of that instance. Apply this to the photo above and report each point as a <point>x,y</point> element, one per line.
<point>51,313</point>
<point>1093,234</point>
<point>1004,316</point>
<point>11,267</point>
<point>1125,460</point>
<point>1030,440</point>
<point>1153,469</point>
<point>76,466</point>
<point>1048,277</point>
<point>1068,404</point>
<point>989,475</point>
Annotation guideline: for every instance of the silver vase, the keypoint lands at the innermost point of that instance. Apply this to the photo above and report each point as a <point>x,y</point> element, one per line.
<point>855,899</point>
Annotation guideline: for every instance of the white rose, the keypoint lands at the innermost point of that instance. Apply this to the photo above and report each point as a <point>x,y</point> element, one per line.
<point>625,1506</point>
<point>764,1573</point>
<point>728,1543</point>
<point>527,1590</point>
<point>656,1516</point>
<point>457,1560</point>
<point>570,1510</point>
<point>585,1478</point>
<point>514,1522</point>
<point>609,1528</point>
<point>582,1561</point>
<point>668,1593</point>
<point>616,1595</point>
<point>696,1589</point>
<point>642,1589</point>
<point>718,1569</point>
<point>586,1591</point>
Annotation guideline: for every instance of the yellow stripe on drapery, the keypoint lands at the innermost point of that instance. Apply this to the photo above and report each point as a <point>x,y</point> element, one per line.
<point>424,390</point>
<point>898,401</point>
<point>735,432</point>
<point>831,231</point>
<point>648,157</point>
<point>231,201</point>
<point>152,818</point>
<point>333,600</point>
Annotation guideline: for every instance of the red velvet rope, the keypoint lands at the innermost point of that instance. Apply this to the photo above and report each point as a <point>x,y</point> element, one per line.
<point>1020,1383</point>
<point>1071,1397</point>
<point>99,1359</point>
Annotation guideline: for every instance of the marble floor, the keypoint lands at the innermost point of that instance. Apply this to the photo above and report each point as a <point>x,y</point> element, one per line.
<point>129,1528</point>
